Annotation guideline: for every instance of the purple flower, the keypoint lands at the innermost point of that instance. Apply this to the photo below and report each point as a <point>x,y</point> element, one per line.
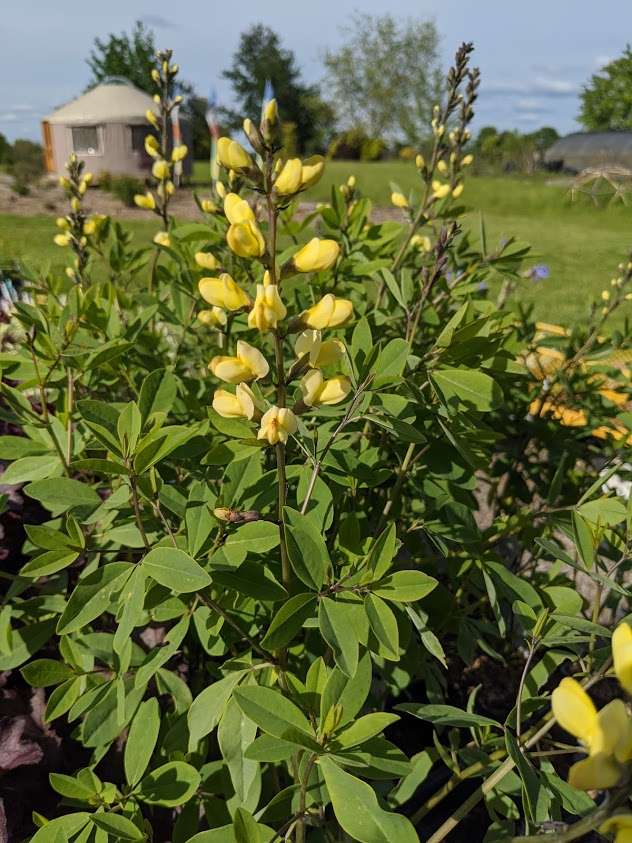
<point>538,272</point>
<point>482,287</point>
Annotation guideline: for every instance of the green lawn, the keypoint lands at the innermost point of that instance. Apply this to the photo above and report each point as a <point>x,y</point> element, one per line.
<point>581,244</point>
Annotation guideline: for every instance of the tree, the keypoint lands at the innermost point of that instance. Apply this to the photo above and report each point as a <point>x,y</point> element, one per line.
<point>386,77</point>
<point>260,57</point>
<point>131,56</point>
<point>606,101</point>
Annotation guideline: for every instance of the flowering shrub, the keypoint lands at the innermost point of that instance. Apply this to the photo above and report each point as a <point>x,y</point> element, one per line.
<point>311,536</point>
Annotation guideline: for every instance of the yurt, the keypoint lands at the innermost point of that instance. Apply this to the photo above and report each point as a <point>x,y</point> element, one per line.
<point>106,127</point>
<point>582,150</point>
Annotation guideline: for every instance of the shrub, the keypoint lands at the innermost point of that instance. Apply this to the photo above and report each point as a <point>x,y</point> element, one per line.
<point>354,145</point>
<point>124,188</point>
<point>346,589</point>
<point>25,164</point>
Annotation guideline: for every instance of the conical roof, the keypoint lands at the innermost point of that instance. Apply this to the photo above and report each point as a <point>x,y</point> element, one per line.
<point>113,101</point>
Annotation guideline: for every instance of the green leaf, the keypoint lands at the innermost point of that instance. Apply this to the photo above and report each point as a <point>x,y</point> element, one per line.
<point>61,829</point>
<point>467,388</point>
<point>15,447</point>
<point>256,537</point>
<point>97,466</point>
<point>350,693</point>
<point>358,811</point>
<point>245,826</point>
<point>118,826</point>
<point>92,596</point>
<point>62,493</point>
<point>446,715</point>
<point>29,469</point>
<point>207,708</point>
<point>405,586</point>
<point>390,362</point>
<point>47,538</point>
<point>528,775</point>
<point>382,553</point>
<point>141,740</point>
<point>70,787</point>
<point>171,785</point>
<point>102,419</point>
<point>306,548</point>
<point>44,672</point>
<point>26,641</point>
<point>288,621</point>
<point>338,631</point>
<point>383,624</point>
<point>175,569</point>
<point>271,711</point>
<point>252,579</point>
<point>605,512</point>
<point>48,563</point>
<point>365,728</point>
<point>157,394</point>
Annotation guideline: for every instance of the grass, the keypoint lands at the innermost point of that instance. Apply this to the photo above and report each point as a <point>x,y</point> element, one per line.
<point>581,244</point>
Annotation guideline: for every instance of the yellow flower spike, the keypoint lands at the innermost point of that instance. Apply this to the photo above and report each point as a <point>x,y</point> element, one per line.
<point>160,170</point>
<point>399,200</point>
<point>146,201</point>
<point>151,146</point>
<point>180,152</point>
<point>241,405</point>
<point>223,292</point>
<point>62,239</point>
<point>312,169</point>
<point>317,255</point>
<point>458,190</point>
<point>621,825</point>
<point>237,209</point>
<point>208,206</point>
<point>467,160</point>
<point>213,318</point>
<point>89,227</point>
<point>162,239</point>
<point>574,710</point>
<point>597,772</point>
<point>277,424</point>
<point>329,312</point>
<point>268,308</point>
<point>246,240</point>
<point>206,260</point>
<point>249,364</point>
<point>232,155</point>
<point>289,178</point>
<point>320,353</point>
<point>271,111</point>
<point>318,391</point>
<point>440,190</point>
<point>622,655</point>
<point>152,118</point>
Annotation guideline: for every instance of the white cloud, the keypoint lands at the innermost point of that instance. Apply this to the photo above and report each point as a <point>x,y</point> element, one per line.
<point>23,107</point>
<point>541,86</point>
<point>600,61</point>
<point>8,117</point>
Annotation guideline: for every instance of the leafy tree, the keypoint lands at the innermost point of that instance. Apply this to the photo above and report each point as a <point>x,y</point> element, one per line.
<point>5,150</point>
<point>129,55</point>
<point>606,101</point>
<point>260,57</point>
<point>386,77</point>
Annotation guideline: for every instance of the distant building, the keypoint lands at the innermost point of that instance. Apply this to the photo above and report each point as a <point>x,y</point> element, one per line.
<point>106,127</point>
<point>584,150</point>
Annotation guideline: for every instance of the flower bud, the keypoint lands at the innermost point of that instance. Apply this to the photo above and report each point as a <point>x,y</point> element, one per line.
<point>160,170</point>
<point>180,152</point>
<point>277,424</point>
<point>312,169</point>
<point>399,200</point>
<point>206,260</point>
<point>62,239</point>
<point>240,405</point>
<point>246,240</point>
<point>316,256</point>
<point>89,227</point>
<point>351,182</point>
<point>442,167</point>
<point>152,118</point>
<point>64,182</point>
<point>271,111</point>
<point>173,70</point>
<point>75,204</point>
<point>214,318</point>
<point>233,156</point>
<point>318,391</point>
<point>467,160</point>
<point>155,74</point>
<point>223,292</point>
<point>320,353</point>
<point>419,241</point>
<point>419,162</point>
<point>151,146</point>
<point>237,209</point>
<point>62,222</point>
<point>157,99</point>
<point>458,190</point>
<point>146,201</point>
<point>254,135</point>
<point>329,312</point>
<point>440,190</point>
<point>288,181</point>
<point>162,239</point>
<point>248,364</point>
<point>208,206</point>
<point>267,309</point>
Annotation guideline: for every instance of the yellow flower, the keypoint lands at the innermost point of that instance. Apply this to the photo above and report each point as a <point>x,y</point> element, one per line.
<point>277,424</point>
<point>439,190</point>
<point>605,295</point>
<point>62,222</point>
<point>89,227</point>
<point>223,292</point>
<point>320,353</point>
<point>246,240</point>
<point>146,201</point>
<point>151,146</point>
<point>419,162</point>
<point>152,118</point>
<point>316,390</point>
<point>271,111</point>
<point>241,405</point>
<point>289,178</point>
<point>237,209</point>
<point>317,255</point>
<point>214,318</point>
<point>162,239</point>
<point>329,312</point>
<point>467,160</point>
<point>249,364</point>
<point>267,309</point>
<point>442,167</point>
<point>180,152</point>
<point>208,206</point>
<point>621,824</point>
<point>206,260</point>
<point>458,190</point>
<point>399,200</point>
<point>232,155</point>
<point>75,204</point>
<point>312,170</point>
<point>160,170</point>
<point>62,239</point>
<point>351,182</point>
<point>622,655</point>
<point>420,241</point>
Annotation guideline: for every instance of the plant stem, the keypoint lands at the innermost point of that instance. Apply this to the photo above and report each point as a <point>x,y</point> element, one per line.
<point>137,512</point>
<point>212,604</point>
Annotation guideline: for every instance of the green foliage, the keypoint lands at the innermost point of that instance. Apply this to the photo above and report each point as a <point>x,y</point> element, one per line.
<point>606,99</point>
<point>124,188</point>
<point>512,151</point>
<point>130,55</point>
<point>25,162</point>
<point>324,636</point>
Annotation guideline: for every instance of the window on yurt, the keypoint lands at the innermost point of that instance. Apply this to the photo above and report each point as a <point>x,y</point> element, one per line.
<point>85,139</point>
<point>139,133</point>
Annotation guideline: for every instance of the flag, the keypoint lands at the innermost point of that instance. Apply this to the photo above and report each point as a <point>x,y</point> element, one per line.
<point>177,140</point>
<point>268,94</point>
<point>213,128</point>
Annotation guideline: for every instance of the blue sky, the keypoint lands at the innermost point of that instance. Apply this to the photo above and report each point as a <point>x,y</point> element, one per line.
<point>534,56</point>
